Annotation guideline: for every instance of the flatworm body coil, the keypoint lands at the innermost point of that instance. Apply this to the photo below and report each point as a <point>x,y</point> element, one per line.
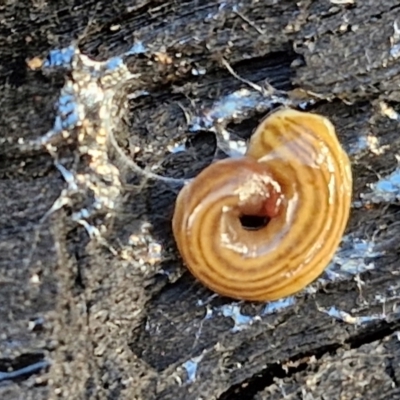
<point>295,180</point>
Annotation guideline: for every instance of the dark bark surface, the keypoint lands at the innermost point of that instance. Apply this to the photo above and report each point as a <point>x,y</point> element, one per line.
<point>79,321</point>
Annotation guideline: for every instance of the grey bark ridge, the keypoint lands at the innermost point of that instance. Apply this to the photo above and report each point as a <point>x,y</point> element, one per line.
<point>79,321</point>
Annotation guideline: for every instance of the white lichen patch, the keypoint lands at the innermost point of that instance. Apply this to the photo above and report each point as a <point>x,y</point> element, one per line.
<point>386,189</point>
<point>350,319</point>
<point>241,321</point>
<point>395,41</point>
<point>368,142</point>
<point>86,116</point>
<point>88,111</point>
<point>353,257</point>
<point>143,249</point>
<point>191,366</point>
<point>388,111</point>
<point>236,107</point>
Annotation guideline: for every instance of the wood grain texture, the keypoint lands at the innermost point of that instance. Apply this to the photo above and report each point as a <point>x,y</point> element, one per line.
<point>115,330</point>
